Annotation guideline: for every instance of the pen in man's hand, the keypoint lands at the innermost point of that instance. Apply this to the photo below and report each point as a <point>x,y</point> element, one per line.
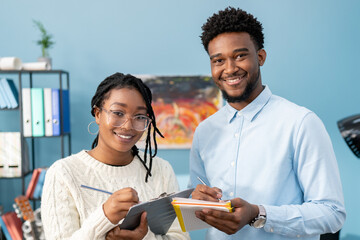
<point>201,181</point>
<point>204,184</point>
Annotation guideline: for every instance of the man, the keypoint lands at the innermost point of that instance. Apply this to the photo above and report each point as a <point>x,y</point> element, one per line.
<point>272,158</point>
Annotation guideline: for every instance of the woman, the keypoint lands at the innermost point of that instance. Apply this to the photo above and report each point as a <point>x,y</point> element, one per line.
<point>122,109</point>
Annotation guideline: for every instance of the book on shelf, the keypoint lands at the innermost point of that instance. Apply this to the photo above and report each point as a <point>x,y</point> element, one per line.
<point>4,97</point>
<point>4,229</point>
<point>13,225</point>
<point>39,184</point>
<point>32,184</point>
<point>185,209</point>
<point>12,164</point>
<point>10,91</point>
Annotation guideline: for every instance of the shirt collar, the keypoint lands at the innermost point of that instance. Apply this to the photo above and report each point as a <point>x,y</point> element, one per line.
<point>252,109</point>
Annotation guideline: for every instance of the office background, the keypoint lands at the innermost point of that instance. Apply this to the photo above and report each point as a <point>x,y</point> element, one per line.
<point>312,56</point>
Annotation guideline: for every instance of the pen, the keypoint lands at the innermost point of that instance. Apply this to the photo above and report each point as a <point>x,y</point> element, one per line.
<point>204,184</point>
<point>96,189</point>
<point>201,181</point>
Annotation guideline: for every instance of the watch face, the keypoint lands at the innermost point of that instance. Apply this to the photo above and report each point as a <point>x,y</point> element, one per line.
<point>259,223</point>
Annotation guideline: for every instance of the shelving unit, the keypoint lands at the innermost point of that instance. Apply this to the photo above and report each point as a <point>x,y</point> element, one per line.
<point>63,78</point>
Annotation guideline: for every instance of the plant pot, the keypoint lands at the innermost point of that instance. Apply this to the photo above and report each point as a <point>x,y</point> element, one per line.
<point>45,59</point>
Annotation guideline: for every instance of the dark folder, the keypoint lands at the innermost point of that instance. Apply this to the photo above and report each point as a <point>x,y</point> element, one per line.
<point>160,213</point>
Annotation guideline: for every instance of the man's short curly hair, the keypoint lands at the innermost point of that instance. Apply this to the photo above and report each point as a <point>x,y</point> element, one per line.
<point>232,20</point>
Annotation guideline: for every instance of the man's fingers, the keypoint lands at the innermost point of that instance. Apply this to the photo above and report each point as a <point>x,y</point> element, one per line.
<point>203,192</point>
<point>226,222</point>
<point>238,202</point>
<point>221,214</point>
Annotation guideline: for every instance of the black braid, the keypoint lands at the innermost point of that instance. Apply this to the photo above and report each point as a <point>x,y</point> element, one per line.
<point>118,81</point>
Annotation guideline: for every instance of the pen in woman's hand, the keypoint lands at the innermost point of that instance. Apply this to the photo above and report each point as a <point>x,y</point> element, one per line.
<point>96,189</point>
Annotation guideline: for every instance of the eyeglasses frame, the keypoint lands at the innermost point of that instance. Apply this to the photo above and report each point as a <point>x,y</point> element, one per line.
<point>108,112</point>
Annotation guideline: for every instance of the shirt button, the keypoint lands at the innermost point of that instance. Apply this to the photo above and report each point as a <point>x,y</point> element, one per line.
<point>231,194</point>
<point>271,230</point>
<point>236,135</point>
<point>232,164</point>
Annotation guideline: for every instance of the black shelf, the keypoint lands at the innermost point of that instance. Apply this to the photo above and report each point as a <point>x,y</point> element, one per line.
<point>33,71</point>
<point>30,74</point>
<point>9,109</point>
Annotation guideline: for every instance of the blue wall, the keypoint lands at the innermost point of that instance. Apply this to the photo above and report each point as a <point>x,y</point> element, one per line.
<point>312,51</point>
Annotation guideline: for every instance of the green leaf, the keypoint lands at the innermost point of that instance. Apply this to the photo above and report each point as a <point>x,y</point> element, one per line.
<point>46,39</point>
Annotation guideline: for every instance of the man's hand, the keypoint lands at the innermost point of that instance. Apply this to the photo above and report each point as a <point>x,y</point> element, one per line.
<point>230,222</point>
<point>119,203</point>
<point>203,192</point>
<point>136,234</point>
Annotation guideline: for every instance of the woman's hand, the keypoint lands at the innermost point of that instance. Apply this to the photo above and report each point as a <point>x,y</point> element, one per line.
<point>136,234</point>
<point>118,204</point>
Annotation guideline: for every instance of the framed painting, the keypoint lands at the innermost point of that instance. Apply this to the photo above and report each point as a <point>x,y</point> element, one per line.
<point>180,103</point>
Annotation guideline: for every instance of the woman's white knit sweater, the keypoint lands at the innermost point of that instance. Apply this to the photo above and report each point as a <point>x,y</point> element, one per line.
<point>71,212</point>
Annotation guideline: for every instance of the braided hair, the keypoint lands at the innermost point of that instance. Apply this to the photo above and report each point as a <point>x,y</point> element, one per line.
<point>232,20</point>
<point>118,81</point>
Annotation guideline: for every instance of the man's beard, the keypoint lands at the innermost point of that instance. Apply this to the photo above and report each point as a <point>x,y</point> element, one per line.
<point>247,92</point>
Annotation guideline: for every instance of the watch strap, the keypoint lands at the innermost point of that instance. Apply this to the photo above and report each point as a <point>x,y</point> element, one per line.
<point>260,216</point>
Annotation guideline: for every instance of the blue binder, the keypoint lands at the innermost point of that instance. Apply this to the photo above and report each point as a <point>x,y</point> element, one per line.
<point>55,111</point>
<point>66,111</point>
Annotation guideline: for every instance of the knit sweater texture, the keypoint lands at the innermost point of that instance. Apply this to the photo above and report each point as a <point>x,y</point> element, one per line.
<point>69,211</point>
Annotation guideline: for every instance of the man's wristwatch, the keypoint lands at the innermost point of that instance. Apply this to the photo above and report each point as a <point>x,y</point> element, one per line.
<point>260,220</point>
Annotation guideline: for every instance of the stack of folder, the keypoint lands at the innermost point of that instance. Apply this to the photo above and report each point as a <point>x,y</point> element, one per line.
<point>9,98</point>
<point>11,162</point>
<point>185,209</point>
<point>42,114</point>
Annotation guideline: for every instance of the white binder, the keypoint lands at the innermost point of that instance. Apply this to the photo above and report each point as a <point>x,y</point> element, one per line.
<point>48,112</point>
<point>26,102</point>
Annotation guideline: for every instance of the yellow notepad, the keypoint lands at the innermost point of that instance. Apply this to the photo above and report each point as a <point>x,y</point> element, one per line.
<point>185,211</point>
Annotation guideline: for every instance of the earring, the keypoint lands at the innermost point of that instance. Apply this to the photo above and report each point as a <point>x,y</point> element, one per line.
<point>92,133</point>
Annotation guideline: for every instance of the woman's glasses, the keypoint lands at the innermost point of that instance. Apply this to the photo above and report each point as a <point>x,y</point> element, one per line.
<point>117,119</point>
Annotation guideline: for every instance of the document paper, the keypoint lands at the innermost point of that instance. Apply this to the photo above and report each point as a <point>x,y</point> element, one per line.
<point>185,209</point>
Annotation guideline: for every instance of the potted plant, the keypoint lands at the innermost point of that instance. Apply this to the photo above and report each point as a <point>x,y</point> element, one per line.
<point>45,42</point>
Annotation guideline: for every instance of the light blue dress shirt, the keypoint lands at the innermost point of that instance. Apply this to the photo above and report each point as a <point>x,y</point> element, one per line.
<point>276,154</point>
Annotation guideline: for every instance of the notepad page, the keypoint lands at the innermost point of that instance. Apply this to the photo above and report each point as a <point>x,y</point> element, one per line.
<point>188,207</point>
<point>191,222</point>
